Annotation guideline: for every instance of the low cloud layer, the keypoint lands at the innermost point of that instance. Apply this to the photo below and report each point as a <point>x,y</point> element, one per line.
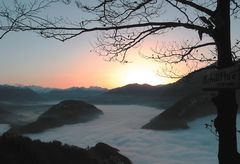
<point>120,127</point>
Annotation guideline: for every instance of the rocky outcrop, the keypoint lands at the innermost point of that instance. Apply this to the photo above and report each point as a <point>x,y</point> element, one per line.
<point>66,112</point>
<point>17,149</point>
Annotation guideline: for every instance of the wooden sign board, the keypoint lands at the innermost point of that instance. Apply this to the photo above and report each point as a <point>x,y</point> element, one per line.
<point>222,78</point>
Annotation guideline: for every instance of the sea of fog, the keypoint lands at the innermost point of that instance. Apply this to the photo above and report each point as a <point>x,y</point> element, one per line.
<point>120,127</point>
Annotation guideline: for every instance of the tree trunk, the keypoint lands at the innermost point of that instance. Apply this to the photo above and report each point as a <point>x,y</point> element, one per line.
<point>225,102</point>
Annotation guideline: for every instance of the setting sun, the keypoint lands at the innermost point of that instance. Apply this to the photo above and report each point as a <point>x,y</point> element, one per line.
<point>142,76</point>
<point>141,71</point>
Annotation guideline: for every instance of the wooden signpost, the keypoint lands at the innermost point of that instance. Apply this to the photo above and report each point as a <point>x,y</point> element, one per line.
<point>222,79</point>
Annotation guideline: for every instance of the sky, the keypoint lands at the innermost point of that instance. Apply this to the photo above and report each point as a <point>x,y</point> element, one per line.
<point>28,59</point>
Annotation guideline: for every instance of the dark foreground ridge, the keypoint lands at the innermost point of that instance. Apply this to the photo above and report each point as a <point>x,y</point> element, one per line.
<point>17,149</point>
<point>66,112</point>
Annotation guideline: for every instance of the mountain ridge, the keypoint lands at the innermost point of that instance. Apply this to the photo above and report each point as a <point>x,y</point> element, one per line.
<point>18,94</point>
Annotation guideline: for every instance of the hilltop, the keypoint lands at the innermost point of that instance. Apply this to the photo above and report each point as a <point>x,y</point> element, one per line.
<point>65,112</point>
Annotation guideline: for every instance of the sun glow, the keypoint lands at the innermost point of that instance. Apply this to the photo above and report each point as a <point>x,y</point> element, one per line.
<point>142,76</point>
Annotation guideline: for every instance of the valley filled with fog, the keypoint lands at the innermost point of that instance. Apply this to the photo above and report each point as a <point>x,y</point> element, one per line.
<point>120,126</point>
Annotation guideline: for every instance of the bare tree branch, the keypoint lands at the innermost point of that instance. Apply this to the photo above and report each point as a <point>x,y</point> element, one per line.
<point>81,30</point>
<point>13,19</point>
<point>196,6</point>
<point>175,55</point>
<point>236,50</point>
<point>235,8</point>
<point>124,24</point>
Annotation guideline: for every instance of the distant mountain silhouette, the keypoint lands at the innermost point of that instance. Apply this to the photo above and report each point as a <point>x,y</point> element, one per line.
<point>161,96</point>
<point>17,149</point>
<point>18,94</point>
<point>39,89</point>
<point>130,94</point>
<point>36,93</point>
<point>65,112</point>
<point>135,90</point>
<point>70,93</point>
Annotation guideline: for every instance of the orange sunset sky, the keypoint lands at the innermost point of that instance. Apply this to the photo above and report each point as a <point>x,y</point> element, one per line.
<point>31,60</point>
<point>28,59</point>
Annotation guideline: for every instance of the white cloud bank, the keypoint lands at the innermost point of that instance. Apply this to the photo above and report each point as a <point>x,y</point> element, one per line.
<point>120,127</point>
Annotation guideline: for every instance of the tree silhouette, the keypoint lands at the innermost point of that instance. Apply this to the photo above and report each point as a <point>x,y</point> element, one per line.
<point>126,23</point>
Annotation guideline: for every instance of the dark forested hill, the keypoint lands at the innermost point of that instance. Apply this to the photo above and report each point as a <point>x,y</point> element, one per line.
<point>16,149</point>
<point>65,112</point>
